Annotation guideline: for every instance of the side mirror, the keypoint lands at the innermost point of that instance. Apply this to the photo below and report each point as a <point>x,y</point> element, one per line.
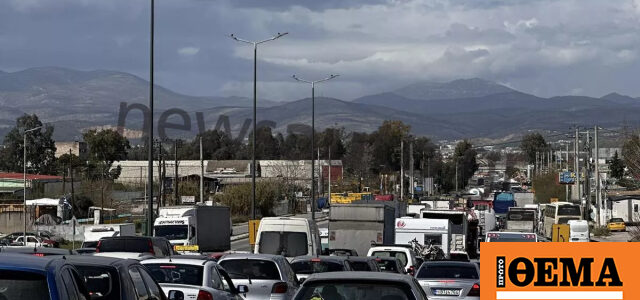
<point>176,295</point>
<point>242,289</point>
<point>301,280</point>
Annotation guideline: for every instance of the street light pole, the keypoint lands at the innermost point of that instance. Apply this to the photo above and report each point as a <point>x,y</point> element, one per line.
<point>150,144</point>
<point>313,131</point>
<point>255,80</point>
<point>24,182</point>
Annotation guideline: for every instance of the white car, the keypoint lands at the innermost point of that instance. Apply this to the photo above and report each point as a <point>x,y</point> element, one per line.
<point>32,241</point>
<point>406,256</point>
<point>193,278</point>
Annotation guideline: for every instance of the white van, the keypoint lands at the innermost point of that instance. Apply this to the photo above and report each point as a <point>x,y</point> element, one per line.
<point>289,237</point>
<point>578,230</point>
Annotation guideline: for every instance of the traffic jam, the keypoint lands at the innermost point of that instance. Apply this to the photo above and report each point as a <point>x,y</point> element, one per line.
<point>352,250</point>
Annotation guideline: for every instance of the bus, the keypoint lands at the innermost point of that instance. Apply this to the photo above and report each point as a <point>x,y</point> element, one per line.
<point>560,213</point>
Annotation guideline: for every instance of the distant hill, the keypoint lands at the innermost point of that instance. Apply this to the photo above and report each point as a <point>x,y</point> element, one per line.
<point>461,88</point>
<point>75,101</point>
<point>91,97</point>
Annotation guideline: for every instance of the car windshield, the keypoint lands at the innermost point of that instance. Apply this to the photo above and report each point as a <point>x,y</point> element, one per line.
<point>350,290</point>
<point>101,281</point>
<point>387,265</point>
<point>399,255</point>
<point>568,210</point>
<point>579,227</point>
<point>617,220</point>
<point>251,268</point>
<point>449,271</point>
<point>172,232</point>
<point>23,285</point>
<point>90,244</point>
<point>176,273</point>
<point>360,266</point>
<point>310,267</point>
<point>125,245</point>
<point>289,244</point>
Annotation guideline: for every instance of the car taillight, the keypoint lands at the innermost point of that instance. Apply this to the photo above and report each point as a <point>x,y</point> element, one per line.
<point>412,270</point>
<point>332,236</point>
<point>98,247</point>
<point>39,254</point>
<point>475,290</point>
<point>279,288</point>
<point>151,249</point>
<point>379,238</point>
<point>202,295</point>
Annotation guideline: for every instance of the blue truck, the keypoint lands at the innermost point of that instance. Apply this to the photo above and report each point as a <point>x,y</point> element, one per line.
<point>502,201</point>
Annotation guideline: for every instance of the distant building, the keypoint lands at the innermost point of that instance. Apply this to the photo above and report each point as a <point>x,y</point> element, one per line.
<point>12,184</point>
<point>79,149</point>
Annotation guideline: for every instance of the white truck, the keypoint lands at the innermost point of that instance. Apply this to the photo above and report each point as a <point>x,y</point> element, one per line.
<point>436,231</point>
<point>93,233</point>
<point>207,227</point>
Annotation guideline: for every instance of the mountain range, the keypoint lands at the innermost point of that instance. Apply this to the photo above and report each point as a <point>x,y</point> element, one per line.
<point>75,101</point>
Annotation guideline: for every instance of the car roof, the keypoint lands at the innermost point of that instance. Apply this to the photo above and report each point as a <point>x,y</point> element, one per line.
<point>14,260</point>
<point>323,258</point>
<point>128,237</point>
<point>452,263</point>
<point>182,261</point>
<point>250,256</point>
<point>32,250</point>
<point>359,276</point>
<point>100,260</point>
<point>361,258</point>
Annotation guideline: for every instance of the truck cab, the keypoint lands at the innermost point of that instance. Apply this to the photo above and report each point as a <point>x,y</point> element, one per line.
<point>176,224</point>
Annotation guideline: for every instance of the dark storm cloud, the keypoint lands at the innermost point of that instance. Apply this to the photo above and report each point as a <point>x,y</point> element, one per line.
<point>535,46</point>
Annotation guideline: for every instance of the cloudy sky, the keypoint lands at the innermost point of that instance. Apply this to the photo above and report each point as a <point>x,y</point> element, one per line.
<point>546,47</point>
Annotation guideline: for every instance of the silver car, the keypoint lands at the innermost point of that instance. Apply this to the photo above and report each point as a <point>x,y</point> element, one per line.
<point>193,279</point>
<point>267,276</point>
<point>360,286</point>
<point>450,280</point>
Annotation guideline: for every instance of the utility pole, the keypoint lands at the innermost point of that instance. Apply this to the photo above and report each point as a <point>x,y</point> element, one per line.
<point>73,203</point>
<point>201,173</point>
<point>576,157</point>
<point>160,177</point>
<point>456,175</point>
<point>401,169</point>
<point>329,189</point>
<point>566,186</point>
<point>587,174</point>
<point>319,173</point>
<point>411,169</point>
<point>535,166</point>
<point>175,171</point>
<point>598,191</point>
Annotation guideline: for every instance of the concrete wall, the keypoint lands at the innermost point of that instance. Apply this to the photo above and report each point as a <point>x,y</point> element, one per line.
<point>12,221</point>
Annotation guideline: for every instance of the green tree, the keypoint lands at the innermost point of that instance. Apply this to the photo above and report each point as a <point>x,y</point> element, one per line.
<point>464,160</point>
<point>616,166</point>
<point>41,148</point>
<point>332,138</point>
<point>386,144</point>
<point>216,145</point>
<point>105,148</point>
<point>532,144</point>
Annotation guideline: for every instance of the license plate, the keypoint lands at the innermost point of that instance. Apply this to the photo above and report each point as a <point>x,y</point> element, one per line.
<point>446,292</point>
